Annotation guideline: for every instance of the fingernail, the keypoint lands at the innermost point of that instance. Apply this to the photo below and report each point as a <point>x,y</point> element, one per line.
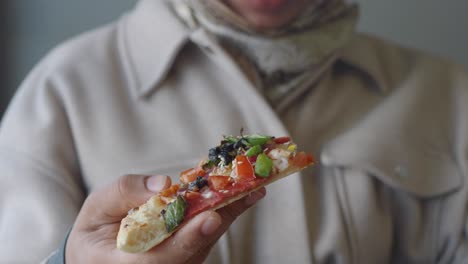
<point>210,225</point>
<point>254,197</point>
<point>156,183</point>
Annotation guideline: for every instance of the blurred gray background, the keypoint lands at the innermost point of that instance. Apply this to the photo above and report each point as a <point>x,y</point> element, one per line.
<point>30,28</point>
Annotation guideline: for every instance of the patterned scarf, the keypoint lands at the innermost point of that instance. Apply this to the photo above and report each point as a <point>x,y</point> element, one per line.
<point>283,56</point>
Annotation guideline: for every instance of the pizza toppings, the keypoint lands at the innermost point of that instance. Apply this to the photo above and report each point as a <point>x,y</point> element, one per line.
<point>253,151</point>
<point>302,160</point>
<point>197,184</point>
<point>218,182</point>
<point>239,159</point>
<point>257,140</point>
<point>230,147</point>
<point>236,165</point>
<point>234,168</point>
<point>263,165</point>
<point>190,175</point>
<point>170,191</point>
<point>223,154</point>
<point>282,140</point>
<point>243,169</point>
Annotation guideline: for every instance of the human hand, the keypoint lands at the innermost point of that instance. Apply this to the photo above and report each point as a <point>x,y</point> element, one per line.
<point>93,237</point>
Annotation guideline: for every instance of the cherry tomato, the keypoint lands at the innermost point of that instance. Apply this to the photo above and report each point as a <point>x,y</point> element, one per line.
<point>170,191</point>
<point>190,175</point>
<point>282,140</point>
<point>218,182</point>
<point>302,160</point>
<point>245,171</point>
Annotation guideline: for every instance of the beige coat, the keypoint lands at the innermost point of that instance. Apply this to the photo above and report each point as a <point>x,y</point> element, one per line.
<point>145,95</point>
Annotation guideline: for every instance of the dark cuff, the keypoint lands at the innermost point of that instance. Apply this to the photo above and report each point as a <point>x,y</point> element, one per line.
<point>59,256</point>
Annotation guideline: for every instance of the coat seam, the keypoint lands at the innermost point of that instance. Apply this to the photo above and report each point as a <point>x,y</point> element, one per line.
<point>345,210</point>
<point>437,233</point>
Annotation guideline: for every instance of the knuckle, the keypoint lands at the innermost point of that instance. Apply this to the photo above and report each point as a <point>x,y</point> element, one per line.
<point>125,190</point>
<point>124,185</point>
<point>231,212</point>
<point>190,247</point>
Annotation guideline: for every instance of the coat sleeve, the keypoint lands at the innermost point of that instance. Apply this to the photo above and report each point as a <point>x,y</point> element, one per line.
<point>454,227</point>
<point>41,189</point>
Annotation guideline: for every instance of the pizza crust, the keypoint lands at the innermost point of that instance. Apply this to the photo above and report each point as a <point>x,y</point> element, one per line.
<point>143,228</point>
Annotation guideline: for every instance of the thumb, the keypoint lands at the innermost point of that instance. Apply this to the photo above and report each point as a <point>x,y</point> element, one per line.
<point>112,202</point>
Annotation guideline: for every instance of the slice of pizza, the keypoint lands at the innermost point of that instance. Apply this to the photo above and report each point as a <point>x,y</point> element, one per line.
<point>235,168</point>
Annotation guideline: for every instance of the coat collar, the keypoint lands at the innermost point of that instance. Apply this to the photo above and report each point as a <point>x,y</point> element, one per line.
<point>152,37</point>
<point>360,54</point>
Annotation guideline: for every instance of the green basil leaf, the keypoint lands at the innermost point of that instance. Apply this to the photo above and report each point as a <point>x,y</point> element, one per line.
<point>263,165</point>
<point>257,139</point>
<point>175,213</point>
<point>255,150</point>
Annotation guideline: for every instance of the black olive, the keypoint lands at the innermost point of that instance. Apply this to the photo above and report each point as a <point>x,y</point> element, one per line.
<point>201,182</point>
<point>227,152</point>
<point>226,148</point>
<point>197,184</point>
<point>228,159</point>
<point>213,154</point>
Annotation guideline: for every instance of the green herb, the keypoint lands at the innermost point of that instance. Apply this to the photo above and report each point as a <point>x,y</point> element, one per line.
<point>175,213</point>
<point>263,165</point>
<point>209,164</point>
<point>230,139</point>
<point>255,140</point>
<point>255,150</point>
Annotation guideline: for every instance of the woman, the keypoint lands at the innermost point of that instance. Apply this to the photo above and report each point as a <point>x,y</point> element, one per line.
<point>149,93</point>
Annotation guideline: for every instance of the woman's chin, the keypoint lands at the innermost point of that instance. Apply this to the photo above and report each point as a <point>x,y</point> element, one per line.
<point>268,6</point>
<point>266,22</point>
<point>268,14</point>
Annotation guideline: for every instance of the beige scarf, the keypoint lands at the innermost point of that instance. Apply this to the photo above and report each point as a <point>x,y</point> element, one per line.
<point>284,56</point>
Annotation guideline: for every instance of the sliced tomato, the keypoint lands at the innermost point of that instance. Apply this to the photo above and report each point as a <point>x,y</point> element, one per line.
<point>245,171</point>
<point>217,182</point>
<point>302,159</point>
<point>190,175</point>
<point>282,140</point>
<point>170,191</point>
